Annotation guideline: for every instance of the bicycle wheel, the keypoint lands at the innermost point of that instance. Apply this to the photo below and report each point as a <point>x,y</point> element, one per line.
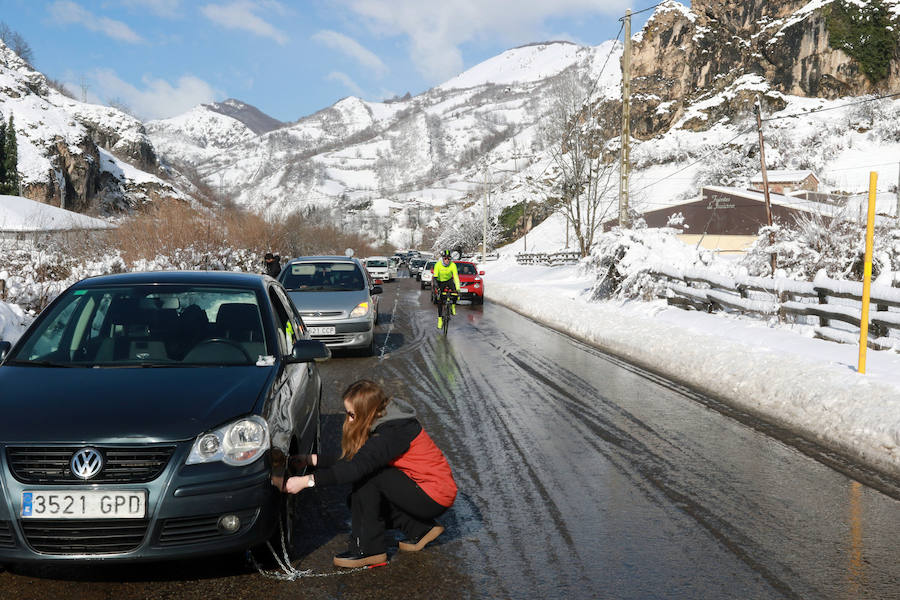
<point>446,323</point>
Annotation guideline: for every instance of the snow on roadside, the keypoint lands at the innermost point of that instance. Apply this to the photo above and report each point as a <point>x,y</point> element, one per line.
<point>777,373</point>
<point>13,321</point>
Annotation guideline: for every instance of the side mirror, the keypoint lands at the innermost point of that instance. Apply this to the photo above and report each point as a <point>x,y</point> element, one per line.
<point>308,351</point>
<point>481,272</point>
<point>5,347</point>
<point>376,290</point>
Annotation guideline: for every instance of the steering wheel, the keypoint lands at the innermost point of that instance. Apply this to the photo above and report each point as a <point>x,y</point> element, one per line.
<point>219,340</point>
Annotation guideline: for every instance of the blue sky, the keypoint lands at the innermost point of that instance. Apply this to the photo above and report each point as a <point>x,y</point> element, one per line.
<point>289,59</point>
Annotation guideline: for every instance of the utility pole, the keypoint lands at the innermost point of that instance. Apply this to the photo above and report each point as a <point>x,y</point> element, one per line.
<point>626,126</point>
<point>765,177</point>
<point>897,214</point>
<point>484,224</point>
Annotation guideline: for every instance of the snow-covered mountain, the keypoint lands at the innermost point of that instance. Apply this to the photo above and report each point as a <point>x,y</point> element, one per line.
<point>75,155</point>
<point>433,147</point>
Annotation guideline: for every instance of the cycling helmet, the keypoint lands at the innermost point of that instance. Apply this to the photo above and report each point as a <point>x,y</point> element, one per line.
<point>445,254</point>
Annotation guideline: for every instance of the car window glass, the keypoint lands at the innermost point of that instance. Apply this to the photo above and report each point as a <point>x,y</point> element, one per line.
<point>288,331</point>
<point>465,269</point>
<point>323,276</point>
<point>166,325</point>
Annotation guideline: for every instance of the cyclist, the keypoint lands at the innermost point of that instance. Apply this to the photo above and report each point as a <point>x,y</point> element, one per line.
<point>445,278</point>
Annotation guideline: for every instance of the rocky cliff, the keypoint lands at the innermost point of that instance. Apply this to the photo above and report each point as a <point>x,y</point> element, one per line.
<point>685,55</point>
<point>75,155</point>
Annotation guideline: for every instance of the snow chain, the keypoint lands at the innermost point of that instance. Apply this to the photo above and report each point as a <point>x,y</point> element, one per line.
<point>287,571</point>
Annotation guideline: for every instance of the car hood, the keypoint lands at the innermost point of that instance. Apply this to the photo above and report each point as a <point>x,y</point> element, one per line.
<point>121,404</point>
<point>328,301</point>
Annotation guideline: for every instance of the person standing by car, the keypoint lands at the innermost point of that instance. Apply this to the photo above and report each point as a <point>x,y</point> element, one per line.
<point>273,264</point>
<point>445,277</point>
<point>392,463</point>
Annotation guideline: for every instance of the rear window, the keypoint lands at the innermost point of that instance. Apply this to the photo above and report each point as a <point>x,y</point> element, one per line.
<point>322,276</point>
<point>376,263</point>
<point>466,269</point>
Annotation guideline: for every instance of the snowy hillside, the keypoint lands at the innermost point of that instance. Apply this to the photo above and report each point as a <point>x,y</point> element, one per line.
<point>380,155</point>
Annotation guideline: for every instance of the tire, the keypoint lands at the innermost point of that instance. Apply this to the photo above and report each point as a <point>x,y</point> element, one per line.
<point>370,349</point>
<point>478,300</point>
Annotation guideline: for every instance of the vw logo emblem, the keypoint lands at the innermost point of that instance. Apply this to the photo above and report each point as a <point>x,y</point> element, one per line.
<point>318,314</point>
<point>86,463</point>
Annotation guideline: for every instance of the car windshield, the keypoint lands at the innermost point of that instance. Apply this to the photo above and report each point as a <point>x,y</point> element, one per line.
<point>466,269</point>
<point>417,262</point>
<point>147,326</point>
<point>430,264</point>
<point>322,276</point>
<point>376,263</point>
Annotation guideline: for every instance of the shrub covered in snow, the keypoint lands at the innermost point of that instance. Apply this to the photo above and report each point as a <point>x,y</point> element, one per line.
<point>812,243</point>
<point>623,258</point>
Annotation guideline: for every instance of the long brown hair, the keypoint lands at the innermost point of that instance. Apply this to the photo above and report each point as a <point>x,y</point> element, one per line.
<point>368,401</point>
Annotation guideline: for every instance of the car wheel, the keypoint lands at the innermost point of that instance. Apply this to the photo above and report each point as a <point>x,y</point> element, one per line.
<point>422,284</point>
<point>478,300</point>
<point>370,349</point>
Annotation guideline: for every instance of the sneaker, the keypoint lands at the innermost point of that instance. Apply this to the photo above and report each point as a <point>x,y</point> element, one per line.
<point>452,309</point>
<point>440,323</point>
<point>414,545</point>
<point>351,559</point>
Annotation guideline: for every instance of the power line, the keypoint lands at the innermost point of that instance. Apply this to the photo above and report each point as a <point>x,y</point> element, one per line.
<point>643,10</point>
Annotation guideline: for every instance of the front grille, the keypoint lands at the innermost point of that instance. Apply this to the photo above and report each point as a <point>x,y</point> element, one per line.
<point>50,464</point>
<point>84,536</point>
<point>307,314</point>
<point>190,530</point>
<point>6,536</point>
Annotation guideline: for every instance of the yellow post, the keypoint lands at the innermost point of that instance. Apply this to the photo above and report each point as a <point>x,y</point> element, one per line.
<point>867,274</point>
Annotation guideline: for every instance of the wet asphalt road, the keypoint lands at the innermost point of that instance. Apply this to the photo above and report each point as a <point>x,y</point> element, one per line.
<point>580,477</point>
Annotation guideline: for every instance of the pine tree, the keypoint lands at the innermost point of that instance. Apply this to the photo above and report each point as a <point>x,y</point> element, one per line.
<point>11,160</point>
<point>3,176</point>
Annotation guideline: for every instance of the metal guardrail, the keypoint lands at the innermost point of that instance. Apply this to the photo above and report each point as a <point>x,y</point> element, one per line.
<point>551,259</point>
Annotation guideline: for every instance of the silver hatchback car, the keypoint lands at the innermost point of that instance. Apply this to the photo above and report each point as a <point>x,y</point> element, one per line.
<point>336,299</point>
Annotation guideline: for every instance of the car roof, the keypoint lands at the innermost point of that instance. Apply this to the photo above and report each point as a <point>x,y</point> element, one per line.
<point>323,258</point>
<point>226,278</point>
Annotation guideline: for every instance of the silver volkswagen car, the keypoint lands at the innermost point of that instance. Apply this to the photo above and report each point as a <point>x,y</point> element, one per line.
<point>336,299</point>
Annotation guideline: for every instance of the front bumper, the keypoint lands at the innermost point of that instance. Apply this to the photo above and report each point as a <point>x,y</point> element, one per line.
<point>356,333</point>
<point>183,507</point>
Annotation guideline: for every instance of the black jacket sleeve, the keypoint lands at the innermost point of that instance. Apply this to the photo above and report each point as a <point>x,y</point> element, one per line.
<point>387,442</point>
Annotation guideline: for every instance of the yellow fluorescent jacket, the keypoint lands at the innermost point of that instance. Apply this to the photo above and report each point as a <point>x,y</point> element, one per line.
<point>442,273</point>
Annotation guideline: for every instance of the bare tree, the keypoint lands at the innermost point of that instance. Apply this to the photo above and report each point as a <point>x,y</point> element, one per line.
<point>15,42</point>
<point>581,181</point>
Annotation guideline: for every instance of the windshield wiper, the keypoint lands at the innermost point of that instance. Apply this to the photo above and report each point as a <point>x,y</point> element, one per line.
<point>43,363</point>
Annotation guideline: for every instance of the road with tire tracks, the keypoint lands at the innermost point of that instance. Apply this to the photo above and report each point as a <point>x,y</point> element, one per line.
<point>580,476</point>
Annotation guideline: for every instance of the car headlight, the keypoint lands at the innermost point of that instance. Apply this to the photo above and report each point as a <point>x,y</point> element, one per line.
<point>238,443</point>
<point>477,285</point>
<point>361,310</point>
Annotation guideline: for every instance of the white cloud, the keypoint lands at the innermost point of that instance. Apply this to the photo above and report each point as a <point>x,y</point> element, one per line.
<point>66,13</point>
<point>157,99</point>
<point>241,15</point>
<point>353,49</point>
<point>345,79</point>
<point>163,8</point>
<point>436,30</point>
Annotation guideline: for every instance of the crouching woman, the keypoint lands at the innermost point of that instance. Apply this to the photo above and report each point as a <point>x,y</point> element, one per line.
<point>393,465</point>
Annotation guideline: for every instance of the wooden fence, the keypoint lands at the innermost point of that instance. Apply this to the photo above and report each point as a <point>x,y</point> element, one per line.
<point>553,259</point>
<point>823,299</point>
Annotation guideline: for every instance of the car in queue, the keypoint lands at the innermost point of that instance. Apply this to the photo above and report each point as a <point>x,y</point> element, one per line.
<point>379,268</point>
<point>415,268</point>
<point>394,263</point>
<point>151,416</point>
<point>426,274</point>
<point>336,299</point>
<point>471,283</point>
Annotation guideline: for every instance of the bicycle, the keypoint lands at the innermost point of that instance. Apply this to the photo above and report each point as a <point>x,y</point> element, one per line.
<point>444,299</point>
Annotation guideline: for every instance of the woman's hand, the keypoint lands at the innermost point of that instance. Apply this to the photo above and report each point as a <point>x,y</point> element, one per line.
<point>296,484</point>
